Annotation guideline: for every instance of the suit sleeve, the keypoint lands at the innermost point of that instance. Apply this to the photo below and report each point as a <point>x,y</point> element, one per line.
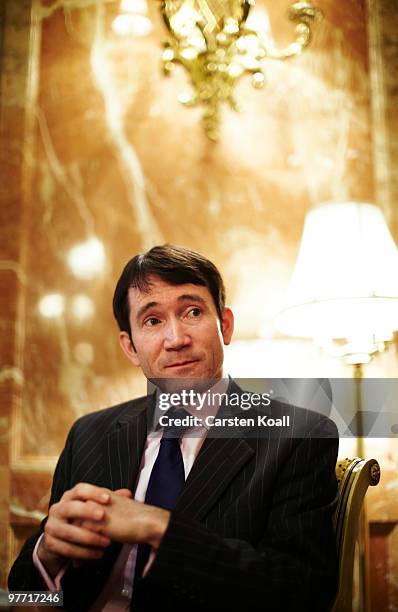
<point>24,575</point>
<point>292,566</point>
<point>81,585</point>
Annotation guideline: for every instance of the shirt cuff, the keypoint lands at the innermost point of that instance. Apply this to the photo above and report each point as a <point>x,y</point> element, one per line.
<point>152,557</point>
<point>54,584</point>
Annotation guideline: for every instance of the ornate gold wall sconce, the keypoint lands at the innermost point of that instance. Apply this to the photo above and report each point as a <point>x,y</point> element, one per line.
<point>211,40</point>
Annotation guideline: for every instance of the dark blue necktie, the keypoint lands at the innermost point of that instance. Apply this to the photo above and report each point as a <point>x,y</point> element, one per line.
<point>165,483</point>
<point>167,476</point>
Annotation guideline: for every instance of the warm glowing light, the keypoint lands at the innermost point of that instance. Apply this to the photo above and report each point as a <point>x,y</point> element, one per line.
<point>258,79</point>
<point>258,21</point>
<point>133,19</point>
<point>231,26</point>
<point>84,353</point>
<point>168,55</point>
<point>198,42</point>
<point>137,7</point>
<point>82,307</point>
<point>87,260</point>
<point>345,283</point>
<point>235,70</point>
<point>131,25</point>
<point>184,20</point>
<point>52,305</point>
<point>185,97</point>
<point>189,53</point>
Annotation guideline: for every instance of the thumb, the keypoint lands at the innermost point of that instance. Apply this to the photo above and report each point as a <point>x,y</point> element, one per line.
<point>124,493</point>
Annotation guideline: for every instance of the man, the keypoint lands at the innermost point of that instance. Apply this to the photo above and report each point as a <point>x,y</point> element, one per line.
<point>252,524</point>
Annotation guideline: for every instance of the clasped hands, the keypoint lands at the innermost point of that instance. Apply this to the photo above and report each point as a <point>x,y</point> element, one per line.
<point>85,520</point>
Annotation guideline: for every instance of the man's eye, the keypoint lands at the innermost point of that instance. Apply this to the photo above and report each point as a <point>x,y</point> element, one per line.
<point>193,313</point>
<point>151,322</point>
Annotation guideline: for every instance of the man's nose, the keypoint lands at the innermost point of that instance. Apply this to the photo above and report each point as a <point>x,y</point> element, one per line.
<point>176,335</point>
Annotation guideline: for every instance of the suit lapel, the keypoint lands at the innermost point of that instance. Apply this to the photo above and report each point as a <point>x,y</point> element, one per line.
<point>217,463</point>
<point>124,445</point>
<point>219,460</point>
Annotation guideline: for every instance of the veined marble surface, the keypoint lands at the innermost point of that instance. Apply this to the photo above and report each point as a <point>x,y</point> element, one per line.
<point>102,161</point>
<point>113,160</point>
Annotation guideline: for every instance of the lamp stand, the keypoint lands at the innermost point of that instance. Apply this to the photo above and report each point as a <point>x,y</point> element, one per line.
<point>363,531</point>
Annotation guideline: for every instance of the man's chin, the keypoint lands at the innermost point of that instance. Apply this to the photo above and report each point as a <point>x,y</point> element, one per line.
<point>182,383</point>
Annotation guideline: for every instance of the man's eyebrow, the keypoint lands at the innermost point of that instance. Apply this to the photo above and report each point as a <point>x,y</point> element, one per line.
<point>192,297</point>
<point>144,308</point>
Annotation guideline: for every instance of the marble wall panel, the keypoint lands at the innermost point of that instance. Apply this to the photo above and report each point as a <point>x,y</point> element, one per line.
<point>14,38</point>
<point>98,148</point>
<point>117,157</point>
<point>387,19</point>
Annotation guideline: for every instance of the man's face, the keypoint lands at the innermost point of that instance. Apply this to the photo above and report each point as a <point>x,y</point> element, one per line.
<point>176,331</point>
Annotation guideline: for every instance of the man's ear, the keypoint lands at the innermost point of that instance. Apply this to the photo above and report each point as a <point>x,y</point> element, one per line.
<point>227,324</point>
<point>128,348</point>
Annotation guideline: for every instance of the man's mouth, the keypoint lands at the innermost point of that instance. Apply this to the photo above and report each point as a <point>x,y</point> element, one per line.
<point>180,364</point>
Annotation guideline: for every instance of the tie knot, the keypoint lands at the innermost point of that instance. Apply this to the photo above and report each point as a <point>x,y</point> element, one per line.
<point>176,422</point>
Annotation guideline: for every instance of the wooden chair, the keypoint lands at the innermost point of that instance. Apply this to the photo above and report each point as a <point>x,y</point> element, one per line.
<point>354,476</point>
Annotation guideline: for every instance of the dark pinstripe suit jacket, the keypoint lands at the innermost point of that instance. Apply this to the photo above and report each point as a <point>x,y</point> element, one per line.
<point>251,530</point>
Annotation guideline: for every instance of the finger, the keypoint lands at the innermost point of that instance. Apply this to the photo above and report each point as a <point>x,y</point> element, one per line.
<point>85,491</point>
<point>124,493</point>
<point>92,526</point>
<point>75,510</point>
<point>71,550</point>
<point>96,525</point>
<point>70,533</point>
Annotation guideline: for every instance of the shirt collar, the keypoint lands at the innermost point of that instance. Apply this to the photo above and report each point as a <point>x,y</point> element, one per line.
<point>208,403</point>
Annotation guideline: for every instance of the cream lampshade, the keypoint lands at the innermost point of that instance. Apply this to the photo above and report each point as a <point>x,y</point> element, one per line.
<point>344,286</point>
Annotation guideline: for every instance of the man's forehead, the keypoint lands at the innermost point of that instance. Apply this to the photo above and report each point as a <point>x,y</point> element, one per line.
<point>157,287</point>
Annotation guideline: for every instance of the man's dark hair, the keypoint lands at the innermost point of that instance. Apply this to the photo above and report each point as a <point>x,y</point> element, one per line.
<point>173,264</point>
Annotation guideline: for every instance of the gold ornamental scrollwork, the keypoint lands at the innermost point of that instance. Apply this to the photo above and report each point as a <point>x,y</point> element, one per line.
<point>211,40</point>
<point>375,473</point>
